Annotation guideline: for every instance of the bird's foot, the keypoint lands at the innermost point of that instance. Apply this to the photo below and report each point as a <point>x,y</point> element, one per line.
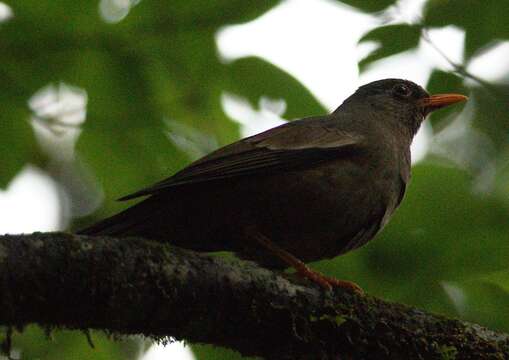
<point>303,270</point>
<point>328,282</point>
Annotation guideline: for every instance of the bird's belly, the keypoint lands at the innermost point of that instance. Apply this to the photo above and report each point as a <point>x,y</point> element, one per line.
<point>312,213</point>
<point>317,213</point>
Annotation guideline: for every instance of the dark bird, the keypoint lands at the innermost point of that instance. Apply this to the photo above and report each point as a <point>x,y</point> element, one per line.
<point>307,190</point>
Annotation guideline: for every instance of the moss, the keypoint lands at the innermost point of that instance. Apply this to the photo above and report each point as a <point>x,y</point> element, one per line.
<point>336,319</point>
<point>159,290</point>
<point>448,352</point>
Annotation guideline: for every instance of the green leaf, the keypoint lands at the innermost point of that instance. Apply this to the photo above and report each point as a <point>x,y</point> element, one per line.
<point>16,138</point>
<point>114,65</point>
<point>369,5</point>
<point>27,39</point>
<point>199,13</point>
<point>441,82</point>
<point>16,135</point>
<point>483,21</point>
<point>185,87</point>
<point>441,232</point>
<point>392,39</point>
<point>500,278</point>
<point>438,13</point>
<point>34,343</point>
<point>253,77</point>
<point>31,33</point>
<point>502,179</point>
<point>442,217</point>
<point>124,139</point>
<point>209,352</point>
<point>480,301</point>
<point>490,112</point>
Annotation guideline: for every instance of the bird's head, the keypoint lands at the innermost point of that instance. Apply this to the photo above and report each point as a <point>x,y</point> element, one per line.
<point>400,100</point>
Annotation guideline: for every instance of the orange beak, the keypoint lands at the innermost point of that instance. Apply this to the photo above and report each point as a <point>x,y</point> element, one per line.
<point>438,101</point>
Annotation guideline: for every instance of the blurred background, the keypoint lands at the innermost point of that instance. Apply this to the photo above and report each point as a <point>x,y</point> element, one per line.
<point>100,98</point>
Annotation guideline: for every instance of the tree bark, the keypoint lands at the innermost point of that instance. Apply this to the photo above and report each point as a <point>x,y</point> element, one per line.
<point>135,286</point>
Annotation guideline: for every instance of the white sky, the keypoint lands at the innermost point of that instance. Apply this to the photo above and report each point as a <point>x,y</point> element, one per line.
<point>307,39</point>
<point>316,41</point>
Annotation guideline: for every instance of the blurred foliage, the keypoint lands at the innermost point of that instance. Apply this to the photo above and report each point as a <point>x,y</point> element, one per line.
<point>215,353</point>
<point>441,82</point>
<point>407,35</point>
<point>446,235</point>
<point>483,21</point>
<point>34,343</point>
<point>446,249</point>
<point>369,5</point>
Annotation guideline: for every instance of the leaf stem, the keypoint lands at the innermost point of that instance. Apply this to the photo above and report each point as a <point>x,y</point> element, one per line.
<point>459,69</point>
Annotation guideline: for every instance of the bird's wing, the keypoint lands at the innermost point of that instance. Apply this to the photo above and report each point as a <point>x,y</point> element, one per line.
<point>287,146</point>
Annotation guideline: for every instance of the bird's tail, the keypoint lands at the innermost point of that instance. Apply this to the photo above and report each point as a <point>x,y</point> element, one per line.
<point>157,218</point>
<point>128,222</point>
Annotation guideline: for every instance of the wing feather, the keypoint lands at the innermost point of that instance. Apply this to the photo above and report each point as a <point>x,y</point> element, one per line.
<point>285,147</point>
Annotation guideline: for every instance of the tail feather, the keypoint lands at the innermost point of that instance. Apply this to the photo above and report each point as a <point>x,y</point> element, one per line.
<point>162,219</point>
<point>127,222</point>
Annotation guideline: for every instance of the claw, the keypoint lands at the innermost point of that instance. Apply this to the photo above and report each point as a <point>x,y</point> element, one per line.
<point>303,270</point>
<point>328,282</point>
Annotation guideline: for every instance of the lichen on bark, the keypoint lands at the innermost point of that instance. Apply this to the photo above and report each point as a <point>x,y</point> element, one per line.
<point>135,286</point>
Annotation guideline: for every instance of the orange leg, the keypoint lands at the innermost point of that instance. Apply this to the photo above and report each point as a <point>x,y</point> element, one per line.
<point>303,270</point>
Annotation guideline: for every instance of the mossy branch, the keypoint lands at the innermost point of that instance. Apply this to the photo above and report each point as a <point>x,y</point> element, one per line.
<point>135,286</point>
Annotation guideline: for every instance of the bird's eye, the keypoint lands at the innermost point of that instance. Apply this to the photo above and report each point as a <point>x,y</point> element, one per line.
<point>402,90</point>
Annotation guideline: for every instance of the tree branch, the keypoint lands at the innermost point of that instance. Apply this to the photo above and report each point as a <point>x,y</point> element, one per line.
<point>461,69</point>
<point>135,286</point>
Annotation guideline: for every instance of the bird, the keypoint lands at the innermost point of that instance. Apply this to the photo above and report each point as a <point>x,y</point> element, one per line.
<point>307,190</point>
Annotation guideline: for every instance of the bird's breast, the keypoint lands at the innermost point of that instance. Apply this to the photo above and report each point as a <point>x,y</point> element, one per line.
<point>315,213</point>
